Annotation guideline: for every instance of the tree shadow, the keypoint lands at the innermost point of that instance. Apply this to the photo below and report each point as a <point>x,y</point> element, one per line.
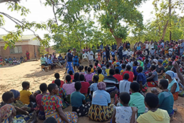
<point>41,73</point>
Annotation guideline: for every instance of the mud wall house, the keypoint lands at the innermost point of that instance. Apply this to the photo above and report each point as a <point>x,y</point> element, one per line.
<point>26,43</point>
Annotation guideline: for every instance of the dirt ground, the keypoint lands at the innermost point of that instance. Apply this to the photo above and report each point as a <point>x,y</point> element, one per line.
<point>11,77</point>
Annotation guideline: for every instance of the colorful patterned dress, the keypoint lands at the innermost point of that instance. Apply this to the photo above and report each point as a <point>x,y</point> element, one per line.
<point>62,94</point>
<point>50,103</point>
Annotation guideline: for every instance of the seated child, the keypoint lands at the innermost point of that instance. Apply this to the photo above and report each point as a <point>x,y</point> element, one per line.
<point>107,69</point>
<point>124,113</point>
<point>124,85</point>
<point>92,70</point>
<point>25,95</point>
<point>100,75</point>
<point>69,87</point>
<point>71,75</point>
<point>57,76</point>
<point>78,101</point>
<point>117,75</point>
<point>85,85</point>
<point>154,115</point>
<point>93,87</point>
<point>166,100</point>
<point>62,94</point>
<point>141,79</point>
<point>136,98</point>
<point>123,66</point>
<point>41,113</point>
<point>81,69</point>
<point>86,69</point>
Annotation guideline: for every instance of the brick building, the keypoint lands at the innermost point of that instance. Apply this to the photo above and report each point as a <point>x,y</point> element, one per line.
<point>26,43</point>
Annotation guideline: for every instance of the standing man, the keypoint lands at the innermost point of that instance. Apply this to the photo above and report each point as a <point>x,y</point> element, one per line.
<point>90,57</point>
<point>69,61</point>
<point>101,46</point>
<point>27,55</point>
<point>181,47</point>
<point>147,47</point>
<point>120,52</point>
<point>107,50</point>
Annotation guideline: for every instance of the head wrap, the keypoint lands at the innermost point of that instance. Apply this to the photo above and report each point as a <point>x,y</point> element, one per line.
<point>118,63</point>
<point>171,74</point>
<point>160,60</point>
<point>101,86</point>
<point>155,61</point>
<point>15,93</point>
<point>6,111</point>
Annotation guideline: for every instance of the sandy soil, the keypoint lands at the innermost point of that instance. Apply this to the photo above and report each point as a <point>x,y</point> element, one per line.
<point>11,77</point>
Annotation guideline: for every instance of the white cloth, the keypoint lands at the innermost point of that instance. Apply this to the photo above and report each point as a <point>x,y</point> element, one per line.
<point>90,55</point>
<point>170,51</point>
<point>84,56</point>
<point>123,114</point>
<point>147,46</point>
<point>129,53</point>
<point>124,86</point>
<point>124,52</point>
<point>96,55</point>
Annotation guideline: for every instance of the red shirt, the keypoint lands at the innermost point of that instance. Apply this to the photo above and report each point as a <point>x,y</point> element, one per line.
<point>62,82</point>
<point>84,88</point>
<point>131,75</point>
<point>118,77</point>
<point>72,77</point>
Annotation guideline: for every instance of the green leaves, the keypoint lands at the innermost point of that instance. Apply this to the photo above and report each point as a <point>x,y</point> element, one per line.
<point>1,20</point>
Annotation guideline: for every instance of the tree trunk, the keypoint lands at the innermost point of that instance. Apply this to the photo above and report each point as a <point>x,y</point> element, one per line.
<point>165,27</point>
<point>118,40</point>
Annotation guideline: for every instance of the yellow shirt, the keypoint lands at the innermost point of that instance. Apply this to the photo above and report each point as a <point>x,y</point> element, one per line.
<point>101,78</point>
<point>107,71</point>
<point>121,73</point>
<point>159,116</point>
<point>25,96</point>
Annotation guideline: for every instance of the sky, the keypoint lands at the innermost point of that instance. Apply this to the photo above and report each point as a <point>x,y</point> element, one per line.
<point>39,13</point>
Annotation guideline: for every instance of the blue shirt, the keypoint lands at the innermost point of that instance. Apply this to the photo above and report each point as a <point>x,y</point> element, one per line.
<point>93,87</point>
<point>134,70</point>
<point>139,48</point>
<point>146,66</point>
<point>49,61</point>
<point>76,99</point>
<point>101,46</point>
<point>119,67</point>
<point>141,78</point>
<point>166,101</point>
<point>172,83</point>
<point>112,53</point>
<point>101,97</point>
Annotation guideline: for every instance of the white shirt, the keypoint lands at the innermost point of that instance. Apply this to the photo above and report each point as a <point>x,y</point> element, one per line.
<point>124,86</point>
<point>96,55</point>
<point>90,55</point>
<point>147,46</point>
<point>123,114</point>
<point>129,53</point>
<point>170,50</point>
<point>124,52</point>
<point>84,56</point>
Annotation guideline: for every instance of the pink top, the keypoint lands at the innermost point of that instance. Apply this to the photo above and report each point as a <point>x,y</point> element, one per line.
<point>69,88</point>
<point>38,101</point>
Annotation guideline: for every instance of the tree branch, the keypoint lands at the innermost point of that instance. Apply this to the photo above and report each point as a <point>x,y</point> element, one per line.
<point>2,1</point>
<point>5,29</point>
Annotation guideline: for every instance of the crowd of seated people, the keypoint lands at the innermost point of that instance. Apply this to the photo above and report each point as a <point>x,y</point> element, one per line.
<point>12,60</point>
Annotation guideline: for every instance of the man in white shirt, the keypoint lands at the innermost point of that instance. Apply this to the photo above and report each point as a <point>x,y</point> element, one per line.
<point>129,53</point>
<point>170,51</point>
<point>147,47</point>
<point>85,56</point>
<point>124,52</point>
<point>90,57</point>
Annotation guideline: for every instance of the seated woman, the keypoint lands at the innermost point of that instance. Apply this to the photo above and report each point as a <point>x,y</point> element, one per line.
<point>7,113</point>
<point>166,100</point>
<point>173,84</point>
<point>41,113</point>
<point>69,87</point>
<point>160,68</point>
<point>14,61</point>
<point>78,101</point>
<point>152,79</point>
<point>93,87</point>
<point>52,105</point>
<point>61,60</point>
<point>62,94</point>
<point>101,109</point>
<point>8,99</point>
